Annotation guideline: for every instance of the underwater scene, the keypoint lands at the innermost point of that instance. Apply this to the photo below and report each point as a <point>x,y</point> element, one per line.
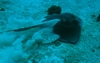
<point>49,31</point>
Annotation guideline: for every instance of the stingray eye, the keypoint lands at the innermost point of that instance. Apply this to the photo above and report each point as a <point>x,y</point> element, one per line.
<point>75,22</point>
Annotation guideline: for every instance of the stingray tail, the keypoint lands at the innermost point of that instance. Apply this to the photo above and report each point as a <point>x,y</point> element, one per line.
<point>50,17</point>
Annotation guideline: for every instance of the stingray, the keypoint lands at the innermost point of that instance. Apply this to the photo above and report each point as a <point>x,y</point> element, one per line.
<point>68,28</point>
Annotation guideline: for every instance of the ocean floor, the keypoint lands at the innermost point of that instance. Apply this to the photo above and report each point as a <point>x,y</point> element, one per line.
<point>39,44</point>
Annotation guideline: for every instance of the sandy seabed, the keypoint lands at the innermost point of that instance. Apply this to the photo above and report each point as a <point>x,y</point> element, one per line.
<point>38,45</point>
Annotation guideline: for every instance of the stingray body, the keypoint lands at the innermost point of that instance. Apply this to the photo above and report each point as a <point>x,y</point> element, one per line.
<point>68,28</point>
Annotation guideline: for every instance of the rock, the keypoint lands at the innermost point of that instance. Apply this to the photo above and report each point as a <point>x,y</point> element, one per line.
<point>54,10</point>
<point>98,18</point>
